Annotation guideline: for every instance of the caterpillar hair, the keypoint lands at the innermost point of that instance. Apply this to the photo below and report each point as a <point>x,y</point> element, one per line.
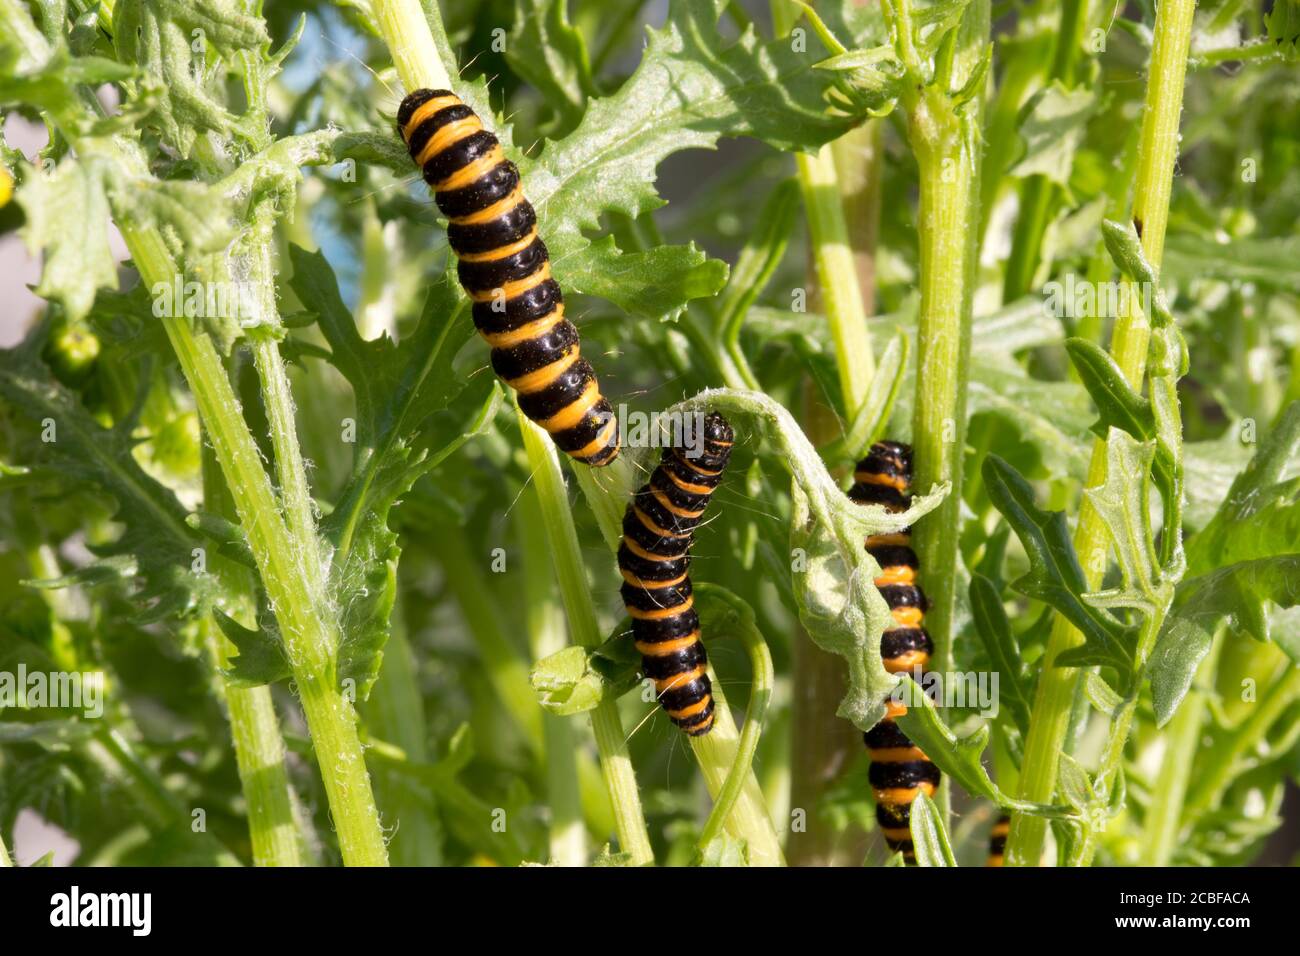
<point>654,557</point>
<point>505,268</point>
<point>998,840</point>
<point>899,769</point>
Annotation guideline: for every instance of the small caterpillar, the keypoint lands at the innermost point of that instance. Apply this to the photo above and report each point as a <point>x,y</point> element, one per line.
<point>505,268</point>
<point>899,769</point>
<point>998,840</point>
<point>654,557</point>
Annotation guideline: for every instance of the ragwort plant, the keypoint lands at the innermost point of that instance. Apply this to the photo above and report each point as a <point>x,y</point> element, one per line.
<point>342,603</point>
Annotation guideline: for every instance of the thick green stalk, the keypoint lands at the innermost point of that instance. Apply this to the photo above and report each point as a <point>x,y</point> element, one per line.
<point>4,854</point>
<point>1157,151</point>
<point>307,624</point>
<point>254,727</point>
<point>546,636</point>
<point>566,556</point>
<point>837,276</point>
<point>947,144</point>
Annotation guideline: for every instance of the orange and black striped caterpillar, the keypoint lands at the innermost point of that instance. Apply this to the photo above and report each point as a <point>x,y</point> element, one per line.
<point>654,557</point>
<point>998,840</point>
<point>505,268</point>
<point>899,769</point>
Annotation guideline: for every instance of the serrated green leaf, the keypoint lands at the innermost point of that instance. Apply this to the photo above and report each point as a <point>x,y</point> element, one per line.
<point>261,657</point>
<point>1237,592</point>
<point>575,680</point>
<point>156,546</point>
<point>161,36</point>
<point>1260,515</point>
<point>657,283</point>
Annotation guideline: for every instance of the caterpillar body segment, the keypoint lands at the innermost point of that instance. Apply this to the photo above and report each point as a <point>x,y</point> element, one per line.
<point>654,560</point>
<point>998,840</point>
<point>504,267</point>
<point>899,769</point>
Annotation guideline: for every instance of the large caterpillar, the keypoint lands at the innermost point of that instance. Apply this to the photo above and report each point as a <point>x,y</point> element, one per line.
<point>505,268</point>
<point>654,556</point>
<point>998,840</point>
<point>899,769</point>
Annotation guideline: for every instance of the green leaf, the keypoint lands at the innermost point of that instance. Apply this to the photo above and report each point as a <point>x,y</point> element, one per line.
<point>549,54</point>
<point>1122,503</point>
<point>1052,125</point>
<point>994,630</point>
<point>67,222</point>
<point>657,283</point>
<point>261,657</point>
<point>724,850</point>
<point>831,573</point>
<point>1119,405</point>
<point>1244,558</point>
<point>1055,576</point>
<point>574,680</point>
<point>691,88</point>
<point>1237,592</point>
<point>156,546</point>
<point>1260,515</point>
<point>929,838</point>
<point>161,36</point>
<point>1270,262</point>
<point>1054,417</point>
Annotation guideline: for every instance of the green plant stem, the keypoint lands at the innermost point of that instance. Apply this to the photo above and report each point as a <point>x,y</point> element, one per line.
<point>307,624</point>
<point>408,32</point>
<point>837,276</point>
<point>749,820</point>
<point>1182,739</point>
<point>947,148</point>
<point>566,555</point>
<point>1057,686</point>
<point>546,636</point>
<point>5,861</point>
<point>254,727</point>
<point>760,695</point>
